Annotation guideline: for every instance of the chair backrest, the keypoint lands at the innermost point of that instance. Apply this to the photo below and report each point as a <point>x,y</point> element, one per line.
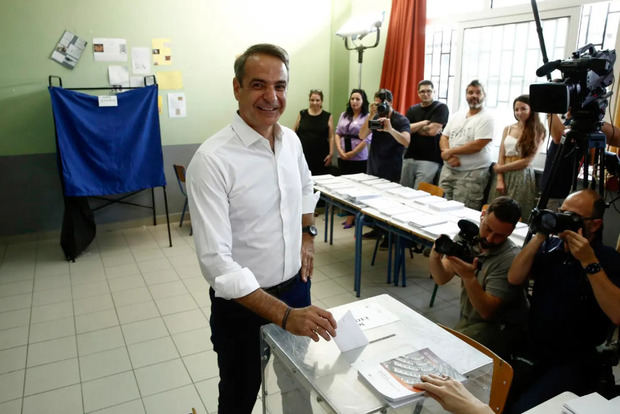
<point>502,372</point>
<point>179,171</point>
<point>431,189</point>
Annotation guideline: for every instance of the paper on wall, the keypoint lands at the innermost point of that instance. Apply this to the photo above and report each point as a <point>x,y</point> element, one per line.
<point>141,60</point>
<point>162,52</point>
<point>68,50</point>
<point>136,81</point>
<point>177,107</point>
<point>169,80</point>
<point>109,50</point>
<point>118,75</point>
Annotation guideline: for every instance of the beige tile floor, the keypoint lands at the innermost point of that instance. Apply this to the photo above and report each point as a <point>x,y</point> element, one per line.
<point>125,328</point>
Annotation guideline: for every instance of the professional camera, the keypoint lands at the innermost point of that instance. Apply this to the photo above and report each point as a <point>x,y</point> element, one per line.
<point>585,77</point>
<point>375,124</point>
<point>463,248</point>
<point>550,222</point>
<point>383,108</point>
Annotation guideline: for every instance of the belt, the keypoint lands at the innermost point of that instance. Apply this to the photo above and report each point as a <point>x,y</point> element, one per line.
<point>280,289</point>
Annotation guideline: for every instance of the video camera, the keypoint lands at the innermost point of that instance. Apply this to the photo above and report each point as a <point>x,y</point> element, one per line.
<point>585,77</point>
<point>550,222</point>
<point>463,248</point>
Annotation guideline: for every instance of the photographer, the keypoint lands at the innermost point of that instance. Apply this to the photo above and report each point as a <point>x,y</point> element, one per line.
<point>492,310</point>
<point>575,301</point>
<point>390,136</point>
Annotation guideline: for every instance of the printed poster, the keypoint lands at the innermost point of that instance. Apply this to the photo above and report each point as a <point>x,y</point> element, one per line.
<point>162,52</point>
<point>141,60</point>
<point>169,80</point>
<point>68,50</point>
<point>109,50</point>
<point>176,105</point>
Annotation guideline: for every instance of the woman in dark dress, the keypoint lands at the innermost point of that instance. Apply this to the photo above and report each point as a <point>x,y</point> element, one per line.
<point>315,129</point>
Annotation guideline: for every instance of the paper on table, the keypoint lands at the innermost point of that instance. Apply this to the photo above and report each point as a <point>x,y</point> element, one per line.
<point>349,335</point>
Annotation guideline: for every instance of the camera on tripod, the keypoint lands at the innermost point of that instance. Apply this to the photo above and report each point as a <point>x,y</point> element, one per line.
<point>463,248</point>
<point>550,222</point>
<point>583,89</point>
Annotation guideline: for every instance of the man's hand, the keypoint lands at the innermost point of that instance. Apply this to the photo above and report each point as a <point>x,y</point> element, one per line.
<point>446,154</point>
<point>386,124</point>
<point>307,256</point>
<point>453,161</point>
<point>463,269</point>
<point>579,246</point>
<point>311,321</point>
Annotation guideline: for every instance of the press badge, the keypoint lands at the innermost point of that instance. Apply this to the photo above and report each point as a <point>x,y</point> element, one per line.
<point>108,100</point>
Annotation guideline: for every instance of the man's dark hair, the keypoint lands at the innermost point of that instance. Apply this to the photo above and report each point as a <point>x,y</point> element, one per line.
<point>384,94</point>
<point>425,82</point>
<point>505,209</point>
<point>477,84</point>
<point>365,103</point>
<point>259,49</point>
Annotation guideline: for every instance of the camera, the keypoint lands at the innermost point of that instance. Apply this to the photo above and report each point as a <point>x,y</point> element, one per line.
<point>585,77</point>
<point>383,108</point>
<point>375,124</point>
<point>463,248</point>
<point>550,222</point>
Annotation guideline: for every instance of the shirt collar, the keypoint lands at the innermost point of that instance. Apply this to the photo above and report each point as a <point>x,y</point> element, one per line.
<point>247,134</point>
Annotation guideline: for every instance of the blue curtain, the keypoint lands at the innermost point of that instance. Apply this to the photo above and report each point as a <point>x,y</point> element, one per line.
<point>108,150</point>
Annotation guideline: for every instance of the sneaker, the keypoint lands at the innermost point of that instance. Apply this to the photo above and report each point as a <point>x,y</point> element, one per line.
<point>372,234</point>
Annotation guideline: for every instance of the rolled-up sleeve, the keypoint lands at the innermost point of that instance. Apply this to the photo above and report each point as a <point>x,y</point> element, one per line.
<point>209,207</point>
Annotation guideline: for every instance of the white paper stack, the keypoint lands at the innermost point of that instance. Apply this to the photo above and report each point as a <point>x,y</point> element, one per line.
<point>360,177</point>
<point>520,232</point>
<point>407,193</point>
<point>380,203</point>
<point>386,186</point>
<point>337,185</point>
<point>449,228</point>
<point>592,403</point>
<point>322,177</point>
<point>425,220</point>
<point>359,194</point>
<point>469,214</point>
<point>430,200</point>
<point>376,181</point>
<point>449,205</point>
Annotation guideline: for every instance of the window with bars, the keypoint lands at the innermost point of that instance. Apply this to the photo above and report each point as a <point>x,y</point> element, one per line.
<point>599,24</point>
<point>439,61</point>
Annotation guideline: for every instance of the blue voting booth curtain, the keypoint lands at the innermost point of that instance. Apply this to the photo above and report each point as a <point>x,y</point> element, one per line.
<point>110,149</point>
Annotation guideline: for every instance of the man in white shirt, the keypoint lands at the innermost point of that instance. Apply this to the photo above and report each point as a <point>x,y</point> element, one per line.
<point>251,196</point>
<point>465,151</point>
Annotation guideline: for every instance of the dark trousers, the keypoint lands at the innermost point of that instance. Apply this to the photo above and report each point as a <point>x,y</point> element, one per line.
<point>235,334</point>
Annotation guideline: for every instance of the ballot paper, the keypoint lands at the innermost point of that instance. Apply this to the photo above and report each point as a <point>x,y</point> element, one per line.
<point>349,335</point>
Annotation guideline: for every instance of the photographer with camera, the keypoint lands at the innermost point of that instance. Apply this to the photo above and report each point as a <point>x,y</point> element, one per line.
<point>465,151</point>
<point>493,312</point>
<point>390,136</point>
<point>575,300</point>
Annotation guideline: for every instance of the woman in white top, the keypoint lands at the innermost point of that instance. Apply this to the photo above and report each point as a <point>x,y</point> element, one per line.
<point>513,175</point>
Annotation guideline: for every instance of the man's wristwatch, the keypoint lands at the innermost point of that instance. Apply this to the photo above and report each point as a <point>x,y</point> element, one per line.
<point>311,230</point>
<point>592,268</point>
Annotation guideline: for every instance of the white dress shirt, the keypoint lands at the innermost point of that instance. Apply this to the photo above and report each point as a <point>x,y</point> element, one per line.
<point>246,203</point>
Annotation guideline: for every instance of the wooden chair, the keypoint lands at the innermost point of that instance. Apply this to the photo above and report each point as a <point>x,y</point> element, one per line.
<point>502,372</point>
<point>431,189</point>
<point>179,171</point>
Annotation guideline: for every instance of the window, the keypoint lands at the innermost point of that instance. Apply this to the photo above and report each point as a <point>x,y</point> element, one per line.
<point>439,61</point>
<point>599,24</point>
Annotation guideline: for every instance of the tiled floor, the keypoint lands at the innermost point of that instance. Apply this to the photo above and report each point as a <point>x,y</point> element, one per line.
<point>125,328</point>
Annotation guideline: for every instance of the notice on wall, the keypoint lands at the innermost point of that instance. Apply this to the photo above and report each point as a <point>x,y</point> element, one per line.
<point>169,80</point>
<point>176,105</point>
<point>109,50</point>
<point>162,52</point>
<point>118,75</point>
<point>141,60</point>
<point>136,81</point>
<point>68,50</point>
